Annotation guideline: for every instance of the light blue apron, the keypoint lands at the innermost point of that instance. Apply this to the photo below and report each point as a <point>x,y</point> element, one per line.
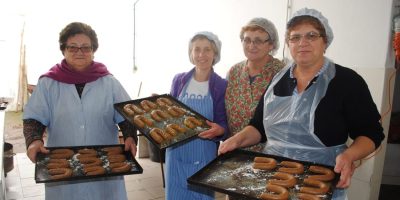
<point>289,124</point>
<point>184,160</point>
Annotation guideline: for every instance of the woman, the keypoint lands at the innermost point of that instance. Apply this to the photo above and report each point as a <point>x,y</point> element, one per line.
<point>202,90</point>
<point>247,80</point>
<point>74,102</point>
<point>313,105</point>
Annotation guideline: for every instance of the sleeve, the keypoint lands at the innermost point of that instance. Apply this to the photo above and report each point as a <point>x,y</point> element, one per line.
<point>120,95</point>
<point>33,130</point>
<point>220,111</point>
<point>38,106</point>
<point>128,130</point>
<point>361,112</point>
<point>257,119</point>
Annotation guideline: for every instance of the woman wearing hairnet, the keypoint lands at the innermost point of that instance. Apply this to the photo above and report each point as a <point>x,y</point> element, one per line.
<point>248,79</point>
<point>313,105</point>
<point>202,90</point>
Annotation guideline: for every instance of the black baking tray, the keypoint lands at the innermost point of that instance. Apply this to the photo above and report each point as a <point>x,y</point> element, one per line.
<point>42,176</point>
<point>180,138</point>
<point>232,173</point>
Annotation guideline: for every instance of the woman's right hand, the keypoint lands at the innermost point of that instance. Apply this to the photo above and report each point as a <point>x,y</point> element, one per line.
<point>35,147</point>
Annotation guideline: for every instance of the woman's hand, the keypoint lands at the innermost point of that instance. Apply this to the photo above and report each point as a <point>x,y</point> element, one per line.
<point>214,131</point>
<point>228,145</point>
<point>35,147</point>
<point>346,167</point>
<point>130,145</point>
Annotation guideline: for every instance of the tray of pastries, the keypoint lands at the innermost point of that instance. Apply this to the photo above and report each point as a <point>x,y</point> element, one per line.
<point>164,120</point>
<point>252,175</point>
<point>83,162</point>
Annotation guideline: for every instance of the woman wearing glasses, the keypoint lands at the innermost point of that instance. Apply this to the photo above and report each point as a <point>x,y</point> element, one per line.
<point>248,79</point>
<point>73,102</point>
<point>313,105</point>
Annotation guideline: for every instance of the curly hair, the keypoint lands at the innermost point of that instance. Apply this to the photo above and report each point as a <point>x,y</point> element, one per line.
<point>77,28</point>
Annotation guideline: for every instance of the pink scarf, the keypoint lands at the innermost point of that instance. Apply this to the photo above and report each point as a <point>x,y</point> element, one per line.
<point>64,73</point>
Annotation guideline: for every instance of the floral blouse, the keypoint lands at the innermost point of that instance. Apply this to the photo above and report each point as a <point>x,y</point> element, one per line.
<point>242,96</point>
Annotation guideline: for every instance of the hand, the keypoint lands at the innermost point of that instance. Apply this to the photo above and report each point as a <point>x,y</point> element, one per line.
<point>214,131</point>
<point>130,145</point>
<point>35,147</point>
<point>228,145</point>
<point>346,167</point>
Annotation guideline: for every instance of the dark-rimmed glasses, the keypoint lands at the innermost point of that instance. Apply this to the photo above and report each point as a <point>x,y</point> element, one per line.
<point>256,42</point>
<point>309,37</point>
<point>74,49</point>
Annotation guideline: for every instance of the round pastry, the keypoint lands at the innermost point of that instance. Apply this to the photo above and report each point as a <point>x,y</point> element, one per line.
<point>163,102</point>
<point>154,133</point>
<point>161,133</point>
<point>141,121</point>
<point>90,161</point>
<point>305,196</point>
<point>120,167</point>
<point>57,163</point>
<point>87,151</point>
<point>291,167</point>
<point>175,111</point>
<point>81,156</point>
<point>278,193</point>
<point>192,122</point>
<point>318,187</point>
<point>148,105</point>
<point>128,110</point>
<point>94,170</point>
<point>283,179</point>
<point>61,154</point>
<point>174,129</point>
<point>113,150</point>
<point>324,174</point>
<point>60,173</point>
<point>159,115</point>
<point>136,109</point>
<point>116,158</point>
<point>264,163</point>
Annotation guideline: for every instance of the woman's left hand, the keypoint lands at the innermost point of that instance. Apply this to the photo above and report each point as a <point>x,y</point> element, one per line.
<point>345,166</point>
<point>130,145</point>
<point>214,131</point>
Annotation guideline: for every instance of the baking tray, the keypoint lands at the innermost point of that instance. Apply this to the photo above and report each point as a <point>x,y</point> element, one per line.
<point>42,175</point>
<point>232,173</point>
<point>175,140</point>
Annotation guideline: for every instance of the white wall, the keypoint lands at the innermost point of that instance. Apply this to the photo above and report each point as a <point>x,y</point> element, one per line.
<point>165,27</point>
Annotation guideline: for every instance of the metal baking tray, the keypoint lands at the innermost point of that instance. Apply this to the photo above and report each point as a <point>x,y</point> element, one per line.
<point>232,173</point>
<point>42,175</point>
<point>175,140</point>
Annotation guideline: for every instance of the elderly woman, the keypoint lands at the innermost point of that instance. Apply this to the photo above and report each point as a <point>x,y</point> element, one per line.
<point>248,79</point>
<point>313,105</point>
<point>202,90</point>
<point>74,101</point>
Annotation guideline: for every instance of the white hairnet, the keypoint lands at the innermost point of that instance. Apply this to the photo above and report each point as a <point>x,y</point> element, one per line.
<point>316,14</point>
<point>213,38</point>
<point>269,27</point>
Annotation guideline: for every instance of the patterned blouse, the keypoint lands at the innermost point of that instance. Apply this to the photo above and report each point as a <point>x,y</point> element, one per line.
<point>242,97</point>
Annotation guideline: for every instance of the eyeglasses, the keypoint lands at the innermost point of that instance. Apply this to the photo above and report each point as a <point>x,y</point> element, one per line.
<point>74,49</point>
<point>256,42</point>
<point>309,37</point>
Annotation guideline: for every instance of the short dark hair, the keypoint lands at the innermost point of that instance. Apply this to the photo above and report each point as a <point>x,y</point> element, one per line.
<point>77,28</point>
<point>306,19</point>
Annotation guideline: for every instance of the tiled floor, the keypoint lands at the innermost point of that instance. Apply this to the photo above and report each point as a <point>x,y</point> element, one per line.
<point>20,183</point>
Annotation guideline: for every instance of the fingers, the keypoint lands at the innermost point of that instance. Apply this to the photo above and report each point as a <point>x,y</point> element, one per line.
<point>346,169</point>
<point>130,145</point>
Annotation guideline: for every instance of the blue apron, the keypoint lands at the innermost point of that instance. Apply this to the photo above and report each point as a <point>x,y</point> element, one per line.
<point>289,124</point>
<point>184,160</point>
